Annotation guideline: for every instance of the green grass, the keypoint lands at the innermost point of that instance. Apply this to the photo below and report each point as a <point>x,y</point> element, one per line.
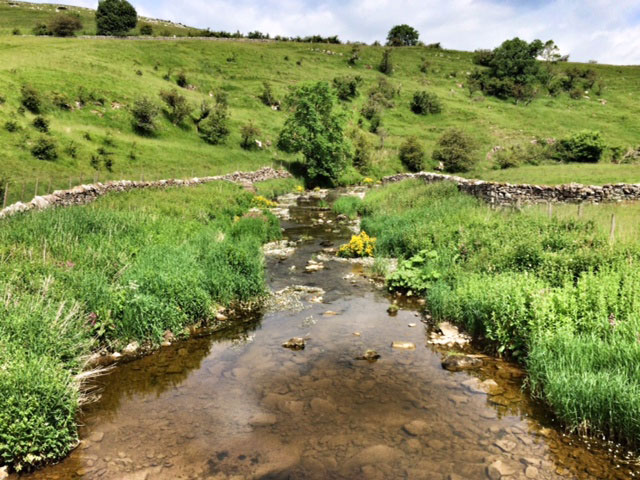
<point>553,293</point>
<point>274,188</point>
<point>106,73</point>
<point>127,268</point>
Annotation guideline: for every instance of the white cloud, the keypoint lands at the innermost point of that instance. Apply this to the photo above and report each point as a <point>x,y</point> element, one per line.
<point>591,29</point>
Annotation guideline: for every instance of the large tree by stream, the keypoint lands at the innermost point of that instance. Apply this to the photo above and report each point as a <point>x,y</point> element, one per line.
<point>316,130</point>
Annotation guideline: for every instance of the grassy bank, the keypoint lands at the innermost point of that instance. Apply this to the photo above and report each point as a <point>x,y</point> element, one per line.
<point>127,268</point>
<point>553,293</point>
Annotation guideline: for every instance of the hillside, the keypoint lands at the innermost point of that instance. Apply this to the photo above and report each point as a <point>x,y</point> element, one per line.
<point>23,16</point>
<point>108,75</point>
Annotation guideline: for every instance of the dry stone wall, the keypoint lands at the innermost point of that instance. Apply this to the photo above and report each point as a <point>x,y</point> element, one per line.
<point>83,194</point>
<point>496,193</point>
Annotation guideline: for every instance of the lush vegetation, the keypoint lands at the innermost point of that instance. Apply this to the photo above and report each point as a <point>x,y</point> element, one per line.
<point>127,268</point>
<point>553,293</point>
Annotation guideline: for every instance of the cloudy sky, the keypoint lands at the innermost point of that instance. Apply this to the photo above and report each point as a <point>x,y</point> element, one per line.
<point>603,30</point>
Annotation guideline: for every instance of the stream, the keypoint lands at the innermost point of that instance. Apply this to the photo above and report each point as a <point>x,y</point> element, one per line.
<point>237,405</point>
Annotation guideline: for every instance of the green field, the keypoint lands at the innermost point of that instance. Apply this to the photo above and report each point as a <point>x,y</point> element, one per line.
<point>108,75</point>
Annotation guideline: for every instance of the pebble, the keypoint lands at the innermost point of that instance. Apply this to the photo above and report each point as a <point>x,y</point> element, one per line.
<point>403,345</point>
<point>416,427</point>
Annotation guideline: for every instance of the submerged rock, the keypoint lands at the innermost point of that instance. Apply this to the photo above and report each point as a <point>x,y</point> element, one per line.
<point>499,469</point>
<point>369,355</point>
<point>296,343</point>
<point>403,345</point>
<point>455,363</point>
<point>392,310</point>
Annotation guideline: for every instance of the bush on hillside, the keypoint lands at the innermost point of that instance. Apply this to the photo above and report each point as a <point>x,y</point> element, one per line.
<point>586,147</point>
<point>249,133</point>
<point>455,149</point>
<point>412,154</point>
<point>317,131</point>
<point>482,57</point>
<point>65,25</point>
<point>115,17</point>
<point>425,103</point>
<point>146,29</point>
<point>386,64</point>
<point>144,113</point>
<point>347,86</point>
<point>267,97</point>
<point>385,91</point>
<point>355,55</point>
<point>40,29</point>
<point>41,124</point>
<point>45,148</point>
<point>181,80</point>
<point>177,106</point>
<point>31,99</point>
<point>362,153</point>
<point>16,31</point>
<point>215,128</point>
<point>11,126</point>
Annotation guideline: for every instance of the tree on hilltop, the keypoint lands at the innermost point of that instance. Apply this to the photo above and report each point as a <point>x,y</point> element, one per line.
<point>115,17</point>
<point>403,36</point>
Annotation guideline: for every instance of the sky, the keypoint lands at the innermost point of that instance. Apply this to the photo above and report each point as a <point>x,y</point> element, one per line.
<point>604,30</point>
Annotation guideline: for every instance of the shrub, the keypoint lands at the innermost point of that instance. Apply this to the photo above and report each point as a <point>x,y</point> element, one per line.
<point>16,31</point>
<point>40,29</point>
<point>424,103</point>
<point>403,36</point>
<point>482,57</point>
<point>385,91</point>
<point>355,55</point>
<point>386,64</point>
<point>586,147</point>
<point>65,25</point>
<point>178,107</point>
<point>249,133</point>
<point>316,130</point>
<point>45,148</point>
<point>361,245</point>
<point>31,99</point>
<point>61,101</point>
<point>347,87</point>
<point>362,153</point>
<point>181,80</point>
<point>376,122</point>
<point>11,126</point>
<point>373,106</point>
<point>215,128</point>
<point>115,17</point>
<point>144,113</point>
<point>412,154</point>
<point>424,66</point>
<point>41,124</point>
<point>267,97</point>
<point>455,150</point>
<point>146,29</point>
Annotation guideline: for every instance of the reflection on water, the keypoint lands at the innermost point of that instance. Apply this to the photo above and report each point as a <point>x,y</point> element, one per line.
<point>238,405</point>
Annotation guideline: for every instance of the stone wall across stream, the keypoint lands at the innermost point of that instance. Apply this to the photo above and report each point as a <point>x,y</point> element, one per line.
<point>497,193</point>
<point>83,194</point>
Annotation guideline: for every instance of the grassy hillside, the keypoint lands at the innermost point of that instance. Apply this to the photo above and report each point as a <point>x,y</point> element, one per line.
<point>24,15</point>
<point>109,74</point>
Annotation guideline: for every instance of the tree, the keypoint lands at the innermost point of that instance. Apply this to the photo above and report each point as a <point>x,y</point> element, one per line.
<point>425,103</point>
<point>249,133</point>
<point>403,36</point>
<point>317,131</point>
<point>144,113</point>
<point>214,129</point>
<point>115,17</point>
<point>65,25</point>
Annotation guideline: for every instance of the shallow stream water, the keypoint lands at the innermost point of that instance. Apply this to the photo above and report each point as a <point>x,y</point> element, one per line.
<point>237,405</point>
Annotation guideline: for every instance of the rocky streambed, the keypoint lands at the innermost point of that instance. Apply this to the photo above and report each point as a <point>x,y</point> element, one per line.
<point>362,392</point>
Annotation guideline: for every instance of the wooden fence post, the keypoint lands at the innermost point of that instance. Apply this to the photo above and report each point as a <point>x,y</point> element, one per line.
<point>612,232</point>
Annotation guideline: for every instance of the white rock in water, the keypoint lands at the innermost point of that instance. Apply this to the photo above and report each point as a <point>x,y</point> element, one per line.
<point>403,345</point>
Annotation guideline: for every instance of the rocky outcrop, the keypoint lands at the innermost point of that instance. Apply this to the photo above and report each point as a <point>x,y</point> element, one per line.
<point>83,194</point>
<point>497,193</point>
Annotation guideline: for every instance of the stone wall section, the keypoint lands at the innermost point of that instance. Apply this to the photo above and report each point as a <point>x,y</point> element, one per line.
<point>496,193</point>
<point>83,194</point>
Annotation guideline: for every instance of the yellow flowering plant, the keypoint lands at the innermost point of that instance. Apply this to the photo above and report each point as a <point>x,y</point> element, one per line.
<point>263,202</point>
<point>361,245</point>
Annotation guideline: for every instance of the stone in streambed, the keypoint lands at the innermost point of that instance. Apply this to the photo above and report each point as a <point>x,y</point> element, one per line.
<point>377,454</point>
<point>263,420</point>
<point>456,363</point>
<point>499,469</point>
<point>416,427</point>
<point>403,345</point>
<point>296,343</point>
<point>369,356</point>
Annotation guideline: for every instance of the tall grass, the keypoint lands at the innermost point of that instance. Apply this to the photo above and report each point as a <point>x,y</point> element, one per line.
<point>128,267</point>
<point>553,293</point>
